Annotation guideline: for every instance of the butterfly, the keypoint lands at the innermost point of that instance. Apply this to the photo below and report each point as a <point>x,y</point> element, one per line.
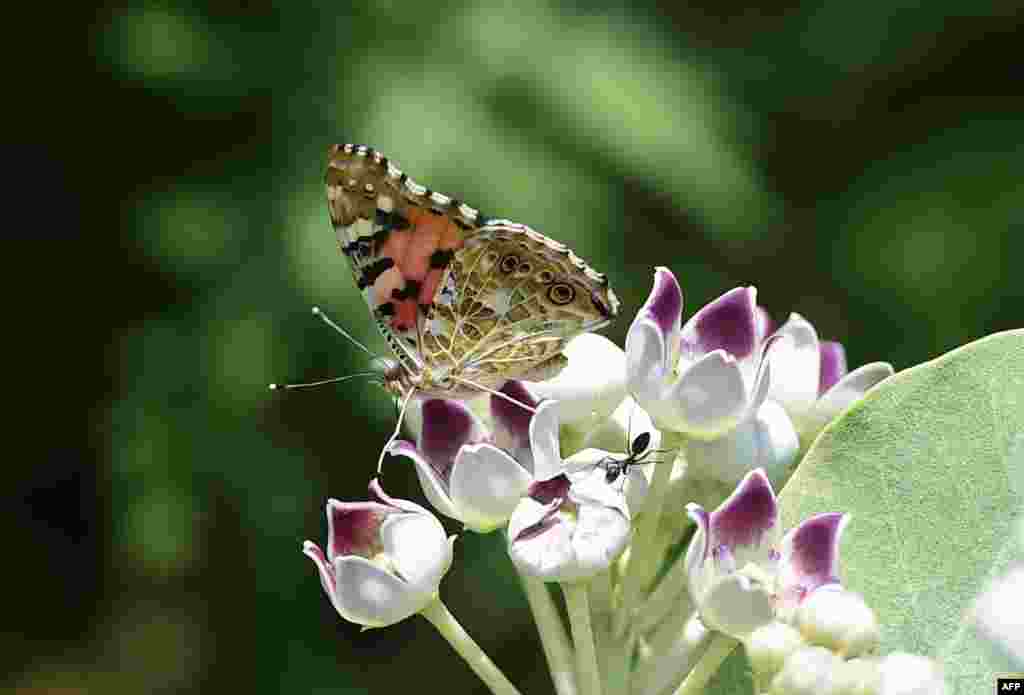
<point>465,302</point>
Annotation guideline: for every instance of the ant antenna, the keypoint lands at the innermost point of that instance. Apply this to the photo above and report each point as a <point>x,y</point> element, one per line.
<point>326,319</point>
<point>335,380</point>
<point>398,430</point>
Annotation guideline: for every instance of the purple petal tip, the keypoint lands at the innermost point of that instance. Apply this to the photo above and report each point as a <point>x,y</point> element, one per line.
<point>833,365</point>
<point>747,514</point>
<point>814,548</point>
<point>665,304</point>
<point>729,323</point>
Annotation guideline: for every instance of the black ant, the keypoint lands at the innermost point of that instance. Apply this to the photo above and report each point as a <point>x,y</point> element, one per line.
<point>636,454</point>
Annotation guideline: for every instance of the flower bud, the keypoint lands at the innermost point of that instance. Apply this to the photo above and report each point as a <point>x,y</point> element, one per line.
<point>909,674</point>
<point>839,620</point>
<point>769,646</point>
<point>808,671</point>
<point>858,677</point>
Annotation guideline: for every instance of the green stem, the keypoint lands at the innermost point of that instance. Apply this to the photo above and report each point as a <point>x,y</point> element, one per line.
<point>587,674</point>
<point>721,646</point>
<point>553,639</point>
<point>642,566</point>
<point>470,651</point>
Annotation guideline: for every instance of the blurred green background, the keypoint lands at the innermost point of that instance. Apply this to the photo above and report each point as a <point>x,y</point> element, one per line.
<point>860,163</point>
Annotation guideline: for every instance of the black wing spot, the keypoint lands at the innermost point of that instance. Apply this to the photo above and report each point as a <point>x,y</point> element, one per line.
<point>410,291</point>
<point>374,271</point>
<point>441,258</point>
<point>387,309</point>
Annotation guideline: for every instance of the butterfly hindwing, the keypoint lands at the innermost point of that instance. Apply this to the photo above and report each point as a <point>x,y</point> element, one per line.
<point>509,303</point>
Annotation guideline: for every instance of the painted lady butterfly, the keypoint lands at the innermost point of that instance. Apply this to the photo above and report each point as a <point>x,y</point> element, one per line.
<point>465,302</point>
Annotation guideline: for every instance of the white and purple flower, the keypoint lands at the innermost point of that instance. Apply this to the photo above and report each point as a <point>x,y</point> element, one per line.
<point>810,378</point>
<point>385,558</point>
<point>464,475</point>
<point>568,530</point>
<point>709,380</point>
<point>742,575</point>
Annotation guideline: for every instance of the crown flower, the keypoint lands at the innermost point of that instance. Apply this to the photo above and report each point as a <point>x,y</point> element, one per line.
<point>568,530</point>
<point>810,378</point>
<point>703,379</point>
<point>474,481</point>
<point>384,561</point>
<point>742,575</point>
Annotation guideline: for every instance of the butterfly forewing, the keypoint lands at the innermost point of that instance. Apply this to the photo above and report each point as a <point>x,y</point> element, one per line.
<point>452,292</point>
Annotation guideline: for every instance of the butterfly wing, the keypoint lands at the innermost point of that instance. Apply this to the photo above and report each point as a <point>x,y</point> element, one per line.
<point>510,301</point>
<point>398,238</point>
<point>453,292</point>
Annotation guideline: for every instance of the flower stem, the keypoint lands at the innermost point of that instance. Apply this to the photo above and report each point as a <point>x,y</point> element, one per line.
<point>576,601</point>
<point>721,646</point>
<point>439,616</point>
<point>642,566</point>
<point>553,639</point>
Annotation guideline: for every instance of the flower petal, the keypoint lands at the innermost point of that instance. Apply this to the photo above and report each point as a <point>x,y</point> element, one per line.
<point>511,421</point>
<point>809,558</point>
<point>324,569</point>
<point>664,306</point>
<point>547,458</point>
<point>736,606</point>
<point>745,518</point>
<point>353,527</point>
<point>418,549</point>
<point>593,383</point>
<point>795,360</point>
<point>999,614</point>
<point>833,365</point>
<point>600,536</point>
<point>767,440</point>
<point>852,387</point>
<point>370,596</point>
<point>447,425</point>
<point>729,323</point>
<point>434,489</point>
<point>708,400</point>
<point>486,486</point>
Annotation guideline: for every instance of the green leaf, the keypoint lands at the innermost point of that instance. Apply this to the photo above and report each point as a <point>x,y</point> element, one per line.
<point>931,467</point>
<point>930,464</point>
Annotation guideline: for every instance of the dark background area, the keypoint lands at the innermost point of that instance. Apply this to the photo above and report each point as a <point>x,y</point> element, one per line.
<point>858,163</point>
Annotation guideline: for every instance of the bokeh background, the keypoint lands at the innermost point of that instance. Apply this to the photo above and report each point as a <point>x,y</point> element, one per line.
<point>860,163</point>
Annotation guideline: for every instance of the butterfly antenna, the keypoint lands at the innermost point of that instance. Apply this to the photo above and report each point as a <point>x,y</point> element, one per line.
<point>398,430</point>
<point>326,319</point>
<point>335,380</point>
<point>499,394</point>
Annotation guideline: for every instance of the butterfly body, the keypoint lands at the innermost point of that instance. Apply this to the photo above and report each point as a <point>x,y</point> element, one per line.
<point>464,301</point>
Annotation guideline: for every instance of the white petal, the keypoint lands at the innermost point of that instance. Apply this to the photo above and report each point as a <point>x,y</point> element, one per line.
<point>547,458</point>
<point>433,488</point>
<point>368,595</point>
<point>795,362</point>
<point>544,555</point>
<point>999,614</point>
<point>736,606</point>
<point>841,396</point>
<point>418,549</point>
<point>768,440</point>
<point>709,398</point>
<point>910,674</point>
<point>593,383</point>
<point>486,486</point>
<point>647,357</point>
<point>601,535</point>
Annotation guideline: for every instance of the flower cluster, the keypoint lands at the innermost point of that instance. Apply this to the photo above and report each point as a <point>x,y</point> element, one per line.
<point>585,472</point>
